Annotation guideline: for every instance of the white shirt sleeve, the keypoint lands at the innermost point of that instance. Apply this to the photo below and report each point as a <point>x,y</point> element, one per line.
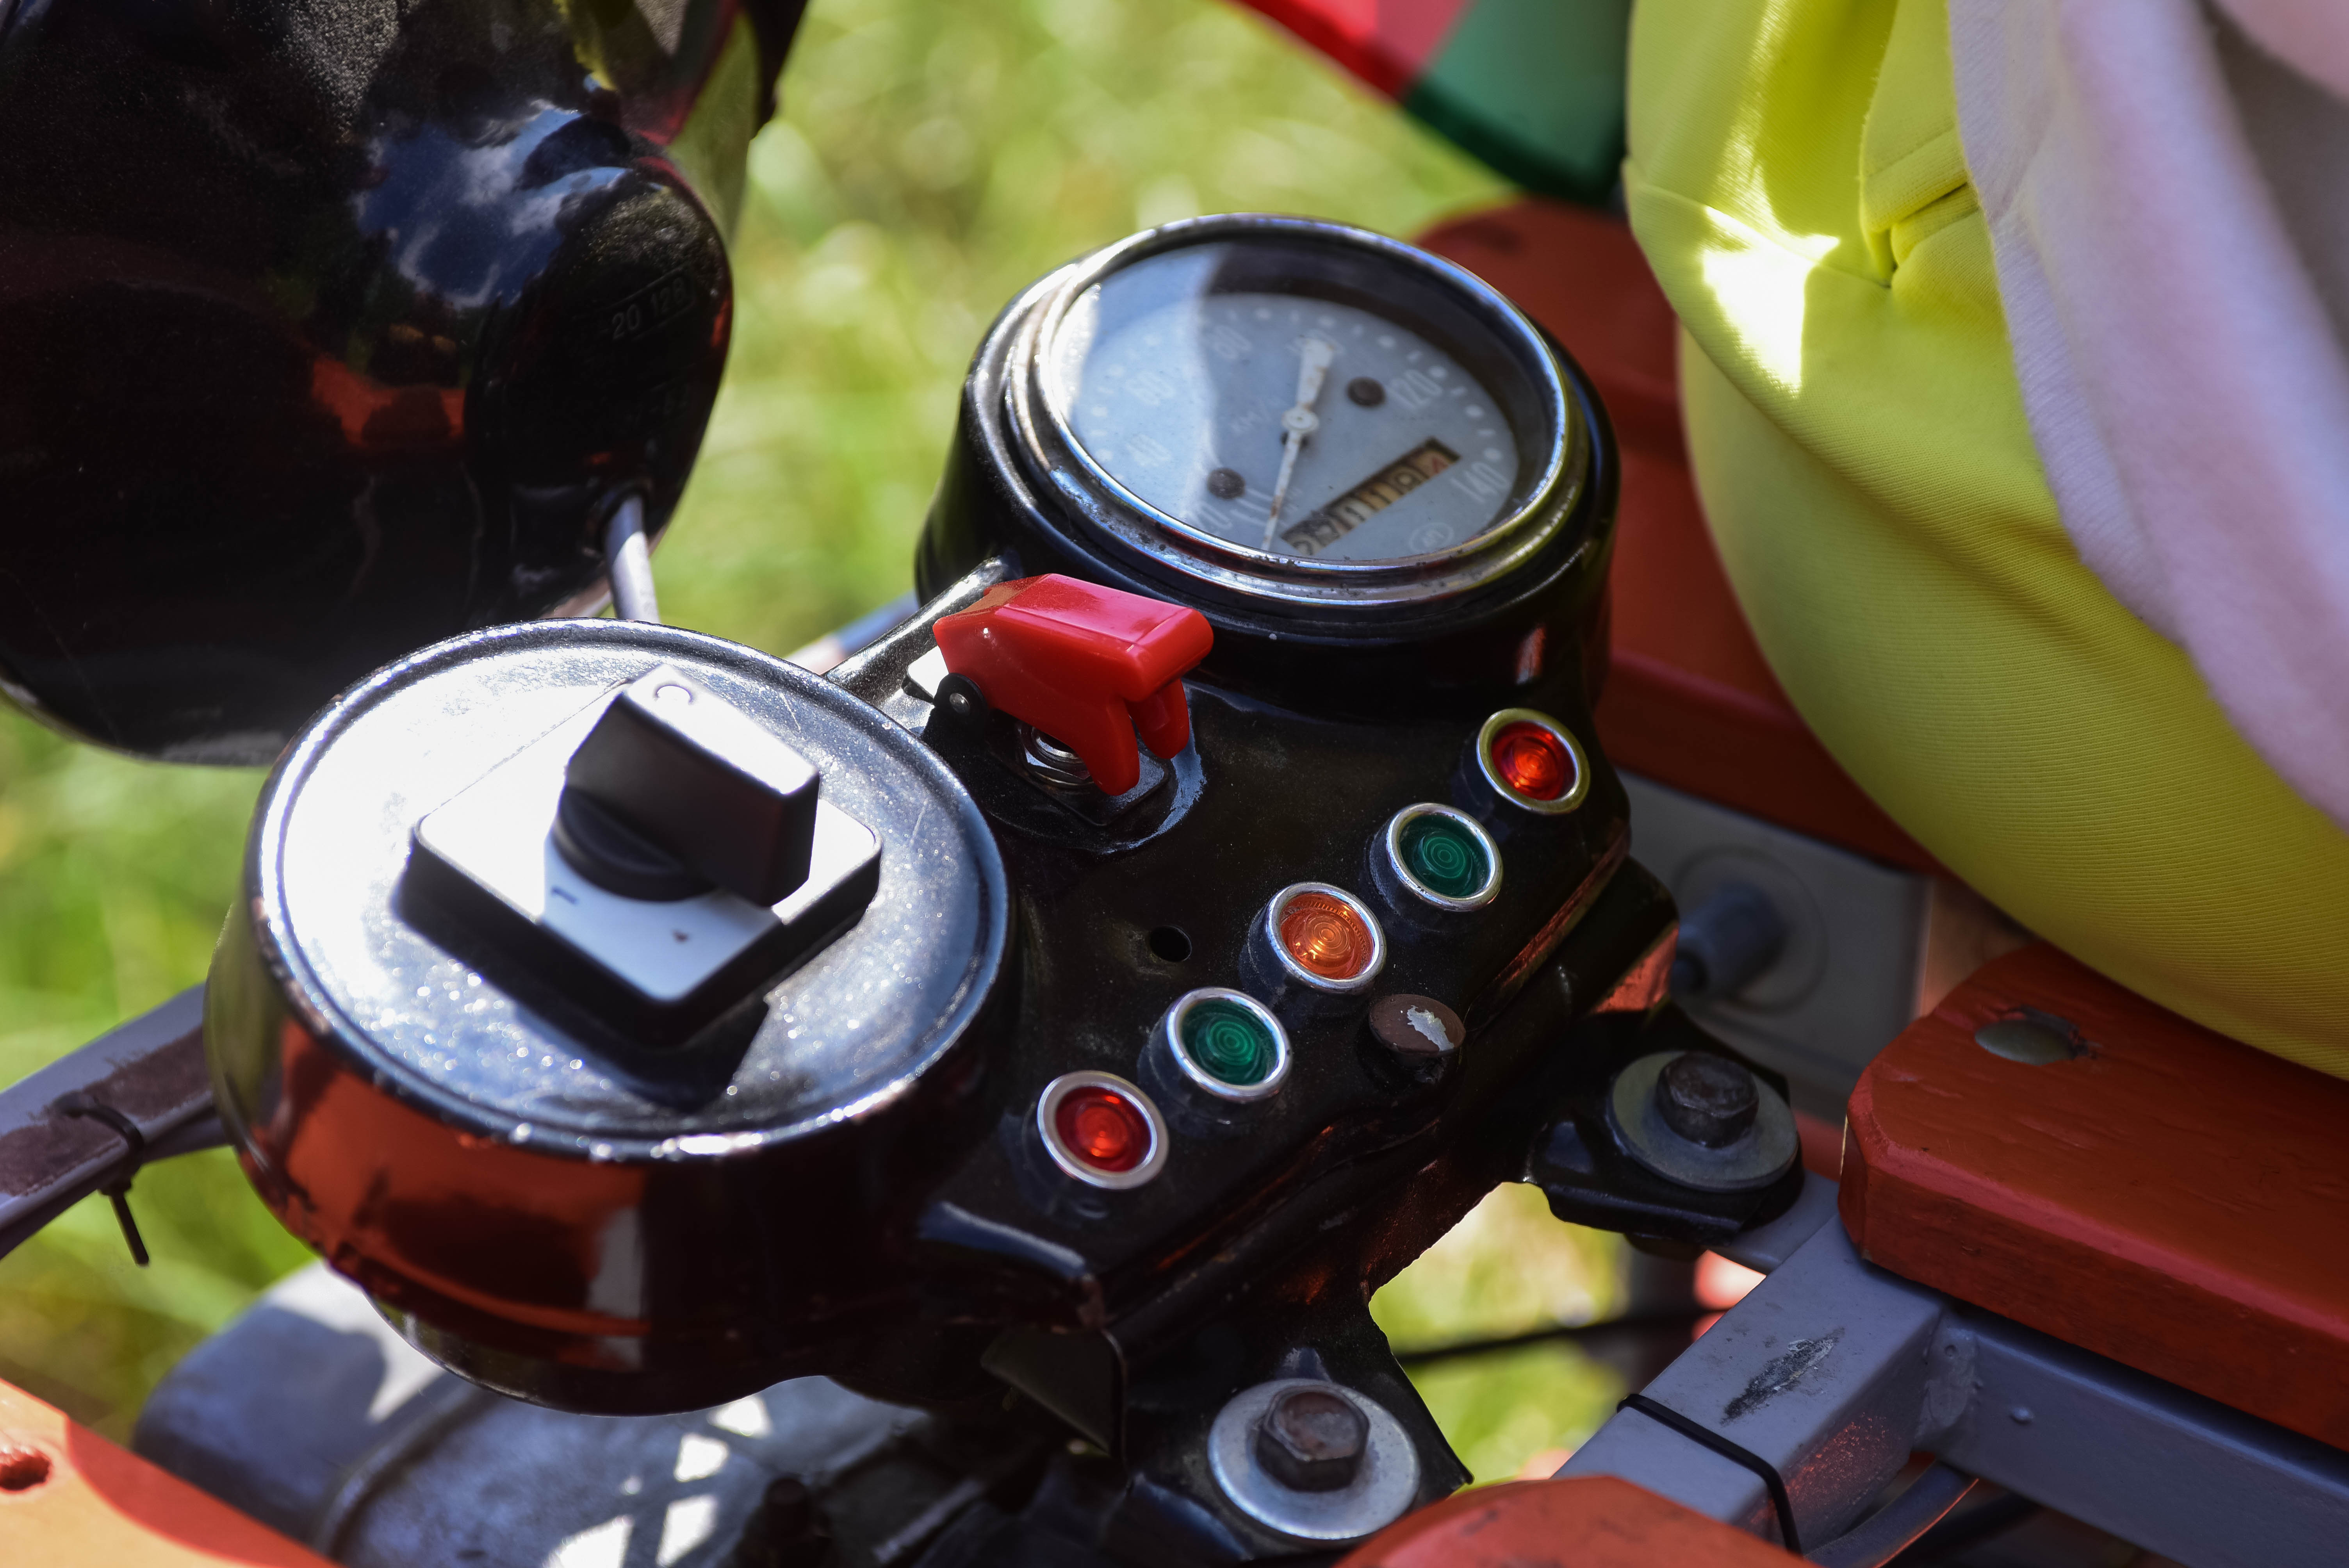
<point>2168,207</point>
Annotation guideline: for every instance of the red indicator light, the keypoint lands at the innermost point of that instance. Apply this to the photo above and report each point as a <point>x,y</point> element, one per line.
<point>1533,762</point>
<point>1327,935</point>
<point>1102,1128</point>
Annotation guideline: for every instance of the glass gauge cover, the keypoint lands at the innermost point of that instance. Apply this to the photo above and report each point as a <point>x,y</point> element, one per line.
<point>1300,409</point>
<point>1294,425</point>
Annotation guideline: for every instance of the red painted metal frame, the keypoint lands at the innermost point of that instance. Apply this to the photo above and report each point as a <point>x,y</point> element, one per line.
<point>1386,42</point>
<point>2168,1198</point>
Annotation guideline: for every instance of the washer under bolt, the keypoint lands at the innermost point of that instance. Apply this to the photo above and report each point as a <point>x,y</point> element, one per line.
<point>1311,1438</point>
<point>1707,1099</point>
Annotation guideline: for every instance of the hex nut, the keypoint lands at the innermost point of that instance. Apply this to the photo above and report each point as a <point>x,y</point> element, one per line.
<point>1312,1439</point>
<point>1707,1099</point>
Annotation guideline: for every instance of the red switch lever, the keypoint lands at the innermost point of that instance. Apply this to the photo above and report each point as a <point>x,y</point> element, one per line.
<point>1087,665</point>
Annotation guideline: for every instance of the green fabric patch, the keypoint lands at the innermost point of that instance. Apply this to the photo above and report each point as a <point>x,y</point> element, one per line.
<point>1535,88</point>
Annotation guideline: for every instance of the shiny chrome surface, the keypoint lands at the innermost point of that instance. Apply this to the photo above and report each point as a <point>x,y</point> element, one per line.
<point>1269,936</point>
<point>1167,1035</point>
<point>1391,846</point>
<point>1048,1106</point>
<point>1059,462</point>
<point>1575,792</point>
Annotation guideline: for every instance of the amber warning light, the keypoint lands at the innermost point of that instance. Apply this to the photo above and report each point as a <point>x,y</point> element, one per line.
<point>1327,934</point>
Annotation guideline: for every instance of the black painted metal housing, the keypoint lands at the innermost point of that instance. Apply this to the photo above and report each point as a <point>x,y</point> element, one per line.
<point>1537,637</point>
<point>549,1202</point>
<point>333,329</point>
<point>925,1246</point>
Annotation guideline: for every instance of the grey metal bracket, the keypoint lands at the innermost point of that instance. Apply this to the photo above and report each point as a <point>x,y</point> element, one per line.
<point>1834,1371</point>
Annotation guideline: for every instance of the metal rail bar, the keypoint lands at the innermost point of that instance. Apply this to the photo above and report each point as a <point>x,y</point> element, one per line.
<point>1834,1371</point>
<point>628,558</point>
<point>60,1130</point>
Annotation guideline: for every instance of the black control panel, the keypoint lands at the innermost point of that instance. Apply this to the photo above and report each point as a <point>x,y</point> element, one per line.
<point>1066,1014</point>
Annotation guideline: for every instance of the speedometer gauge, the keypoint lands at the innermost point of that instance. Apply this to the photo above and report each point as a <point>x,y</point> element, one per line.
<point>1299,427</point>
<point>1293,425</point>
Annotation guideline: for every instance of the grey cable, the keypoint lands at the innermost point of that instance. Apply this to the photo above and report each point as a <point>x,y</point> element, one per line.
<point>629,560</point>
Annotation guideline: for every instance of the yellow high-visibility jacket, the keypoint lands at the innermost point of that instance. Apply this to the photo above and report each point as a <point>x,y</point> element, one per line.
<point>1797,179</point>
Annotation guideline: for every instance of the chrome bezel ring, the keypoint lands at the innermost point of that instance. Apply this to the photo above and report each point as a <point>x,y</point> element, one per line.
<point>1295,971</point>
<point>1575,792</point>
<point>1048,1106</point>
<point>1170,1026</point>
<point>1035,408</point>
<point>1393,839</point>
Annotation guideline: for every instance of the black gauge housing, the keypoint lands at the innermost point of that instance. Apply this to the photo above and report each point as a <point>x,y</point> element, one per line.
<point>1517,612</point>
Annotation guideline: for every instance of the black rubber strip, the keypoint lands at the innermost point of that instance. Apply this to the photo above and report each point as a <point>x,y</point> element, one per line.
<point>122,1127</point>
<point>1710,1439</point>
<point>118,1191</point>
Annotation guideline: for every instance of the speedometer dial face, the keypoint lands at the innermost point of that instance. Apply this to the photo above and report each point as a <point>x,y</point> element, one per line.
<point>1292,416</point>
<point>1289,414</point>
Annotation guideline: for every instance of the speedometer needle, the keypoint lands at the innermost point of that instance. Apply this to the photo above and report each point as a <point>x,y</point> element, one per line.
<point>1300,422</point>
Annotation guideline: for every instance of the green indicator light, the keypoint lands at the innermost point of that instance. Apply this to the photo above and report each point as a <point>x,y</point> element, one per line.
<point>1445,856</point>
<point>1230,1043</point>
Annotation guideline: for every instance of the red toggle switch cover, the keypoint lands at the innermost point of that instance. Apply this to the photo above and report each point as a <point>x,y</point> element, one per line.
<point>1087,665</point>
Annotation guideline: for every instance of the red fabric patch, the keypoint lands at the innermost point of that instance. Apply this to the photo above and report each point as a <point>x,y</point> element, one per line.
<point>1387,43</point>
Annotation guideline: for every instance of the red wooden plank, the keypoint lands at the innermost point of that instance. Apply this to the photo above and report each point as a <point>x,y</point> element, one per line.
<point>2168,1198</point>
<point>69,1499</point>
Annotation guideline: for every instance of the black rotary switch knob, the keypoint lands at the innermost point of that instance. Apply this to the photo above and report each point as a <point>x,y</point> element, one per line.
<point>675,791</point>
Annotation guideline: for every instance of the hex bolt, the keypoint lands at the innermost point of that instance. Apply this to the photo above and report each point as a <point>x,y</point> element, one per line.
<point>1710,1100</point>
<point>1312,1439</point>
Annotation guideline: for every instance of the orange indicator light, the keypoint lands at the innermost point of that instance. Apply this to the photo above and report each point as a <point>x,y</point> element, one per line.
<point>1327,935</point>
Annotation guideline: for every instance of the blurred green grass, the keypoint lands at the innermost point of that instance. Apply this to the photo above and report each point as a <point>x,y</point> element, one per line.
<point>1508,1269</point>
<point>933,157</point>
